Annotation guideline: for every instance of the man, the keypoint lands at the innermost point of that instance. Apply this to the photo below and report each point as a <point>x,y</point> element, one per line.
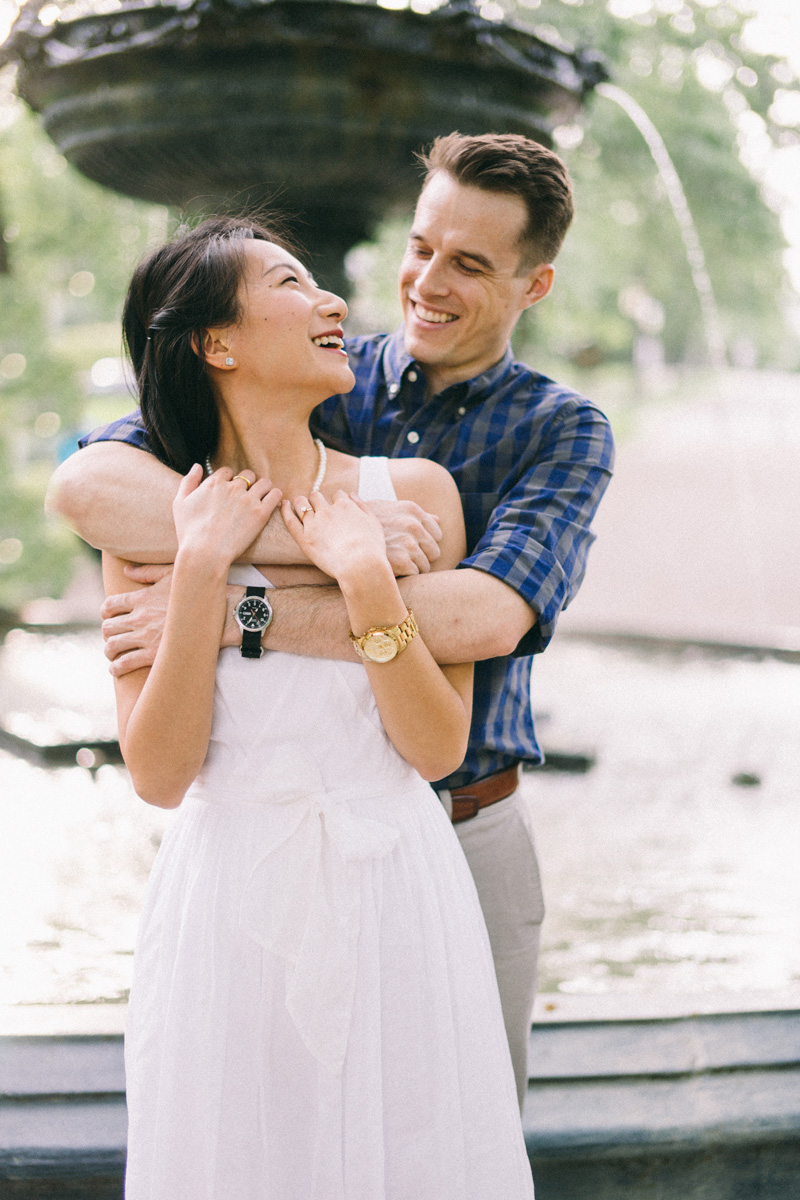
<point>531,460</point>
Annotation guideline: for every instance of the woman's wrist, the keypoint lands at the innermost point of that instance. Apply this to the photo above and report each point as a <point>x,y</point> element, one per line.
<point>373,597</point>
<point>193,559</point>
<point>370,575</point>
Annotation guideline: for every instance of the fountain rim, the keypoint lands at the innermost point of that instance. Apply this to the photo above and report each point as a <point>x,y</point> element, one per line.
<point>508,44</point>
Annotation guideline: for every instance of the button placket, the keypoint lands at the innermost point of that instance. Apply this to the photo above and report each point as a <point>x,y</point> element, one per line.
<point>414,429</point>
<point>419,433</point>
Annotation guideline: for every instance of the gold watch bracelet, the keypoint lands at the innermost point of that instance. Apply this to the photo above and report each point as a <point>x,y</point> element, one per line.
<point>382,637</point>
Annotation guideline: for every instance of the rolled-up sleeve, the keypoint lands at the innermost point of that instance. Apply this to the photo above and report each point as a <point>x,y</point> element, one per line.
<point>129,429</point>
<point>539,534</point>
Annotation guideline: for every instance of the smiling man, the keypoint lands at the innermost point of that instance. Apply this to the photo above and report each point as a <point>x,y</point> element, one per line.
<point>464,279</point>
<point>531,460</point>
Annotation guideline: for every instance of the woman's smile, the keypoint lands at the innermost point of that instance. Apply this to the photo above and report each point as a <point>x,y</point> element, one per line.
<point>331,341</point>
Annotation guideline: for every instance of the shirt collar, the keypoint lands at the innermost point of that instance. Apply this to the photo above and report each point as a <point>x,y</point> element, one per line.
<point>471,391</point>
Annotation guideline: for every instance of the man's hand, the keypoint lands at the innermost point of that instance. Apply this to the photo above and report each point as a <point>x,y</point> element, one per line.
<point>134,621</point>
<point>412,535</point>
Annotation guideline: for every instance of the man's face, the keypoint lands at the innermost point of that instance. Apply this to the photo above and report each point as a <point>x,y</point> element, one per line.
<point>461,286</point>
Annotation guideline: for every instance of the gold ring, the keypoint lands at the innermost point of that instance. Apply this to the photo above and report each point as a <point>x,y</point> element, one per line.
<point>301,512</point>
<point>249,482</point>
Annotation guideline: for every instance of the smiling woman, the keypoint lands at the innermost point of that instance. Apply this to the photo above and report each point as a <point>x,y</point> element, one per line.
<point>200,329</point>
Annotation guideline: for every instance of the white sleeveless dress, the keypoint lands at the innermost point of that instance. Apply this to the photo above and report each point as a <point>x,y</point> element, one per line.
<point>314,1014</point>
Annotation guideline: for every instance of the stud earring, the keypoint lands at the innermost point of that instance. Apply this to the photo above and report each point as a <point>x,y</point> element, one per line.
<point>228,362</point>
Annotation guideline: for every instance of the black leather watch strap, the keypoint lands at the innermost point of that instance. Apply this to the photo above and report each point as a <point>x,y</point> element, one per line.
<point>251,638</point>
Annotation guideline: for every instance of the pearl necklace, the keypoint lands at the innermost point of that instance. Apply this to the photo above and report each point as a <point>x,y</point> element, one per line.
<point>320,476</point>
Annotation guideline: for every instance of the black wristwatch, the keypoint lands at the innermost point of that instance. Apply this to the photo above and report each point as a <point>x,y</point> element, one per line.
<point>253,615</point>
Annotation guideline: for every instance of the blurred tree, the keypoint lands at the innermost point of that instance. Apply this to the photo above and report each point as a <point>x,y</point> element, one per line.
<point>70,250</point>
<point>718,106</point>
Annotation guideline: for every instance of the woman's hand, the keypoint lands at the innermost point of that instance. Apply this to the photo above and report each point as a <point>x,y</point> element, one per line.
<point>343,538</point>
<point>220,516</point>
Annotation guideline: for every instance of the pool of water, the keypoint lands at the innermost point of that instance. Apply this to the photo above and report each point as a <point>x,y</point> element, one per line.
<point>668,867</point>
<point>662,874</point>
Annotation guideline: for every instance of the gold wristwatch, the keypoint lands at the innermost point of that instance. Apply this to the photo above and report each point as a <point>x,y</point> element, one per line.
<point>385,642</point>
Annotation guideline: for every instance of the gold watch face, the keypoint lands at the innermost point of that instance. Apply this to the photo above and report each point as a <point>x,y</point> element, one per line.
<point>379,647</point>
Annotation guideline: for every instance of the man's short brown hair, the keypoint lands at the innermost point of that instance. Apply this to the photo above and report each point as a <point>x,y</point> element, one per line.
<point>514,166</point>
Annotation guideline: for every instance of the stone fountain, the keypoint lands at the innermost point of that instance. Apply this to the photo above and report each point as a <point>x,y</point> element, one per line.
<point>313,106</point>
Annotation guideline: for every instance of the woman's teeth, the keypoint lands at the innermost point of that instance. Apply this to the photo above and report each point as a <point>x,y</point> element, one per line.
<point>329,339</point>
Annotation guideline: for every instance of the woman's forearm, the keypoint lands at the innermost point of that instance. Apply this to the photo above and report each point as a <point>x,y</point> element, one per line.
<point>165,736</point>
<point>425,711</point>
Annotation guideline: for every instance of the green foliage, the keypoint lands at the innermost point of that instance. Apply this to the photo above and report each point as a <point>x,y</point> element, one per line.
<point>70,250</point>
<point>685,63</point>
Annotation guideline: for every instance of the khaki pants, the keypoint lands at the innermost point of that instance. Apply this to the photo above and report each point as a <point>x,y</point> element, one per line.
<point>499,847</point>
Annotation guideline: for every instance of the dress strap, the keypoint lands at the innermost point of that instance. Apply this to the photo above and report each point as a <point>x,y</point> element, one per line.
<point>374,480</point>
<point>248,575</point>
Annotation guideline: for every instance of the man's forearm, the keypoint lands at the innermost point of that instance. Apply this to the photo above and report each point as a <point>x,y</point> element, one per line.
<point>464,616</point>
<point>470,614</point>
<point>311,621</point>
<point>119,499</point>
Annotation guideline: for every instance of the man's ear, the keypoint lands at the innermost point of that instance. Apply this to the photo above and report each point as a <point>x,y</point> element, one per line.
<point>540,281</point>
<point>215,347</point>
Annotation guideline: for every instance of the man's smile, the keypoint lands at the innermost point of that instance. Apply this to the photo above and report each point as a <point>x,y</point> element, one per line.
<point>432,315</point>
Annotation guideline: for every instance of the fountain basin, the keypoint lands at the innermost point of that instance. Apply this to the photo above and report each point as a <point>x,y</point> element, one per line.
<point>701,1105</point>
<point>617,1109</point>
<point>316,106</point>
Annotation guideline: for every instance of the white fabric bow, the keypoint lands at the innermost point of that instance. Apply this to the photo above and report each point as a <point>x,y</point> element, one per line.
<point>302,901</point>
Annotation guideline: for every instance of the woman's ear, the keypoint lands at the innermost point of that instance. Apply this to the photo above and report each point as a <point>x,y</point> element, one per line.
<point>215,348</point>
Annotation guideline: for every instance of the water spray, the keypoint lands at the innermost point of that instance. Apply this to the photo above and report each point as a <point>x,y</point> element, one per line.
<point>715,337</point>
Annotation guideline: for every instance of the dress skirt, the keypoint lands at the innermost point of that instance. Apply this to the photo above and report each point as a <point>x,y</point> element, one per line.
<point>314,1013</point>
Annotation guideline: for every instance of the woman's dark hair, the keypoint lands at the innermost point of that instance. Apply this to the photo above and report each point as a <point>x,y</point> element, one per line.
<point>185,287</point>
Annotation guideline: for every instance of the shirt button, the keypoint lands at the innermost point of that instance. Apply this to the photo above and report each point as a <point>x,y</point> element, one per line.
<point>412,376</point>
<point>461,410</point>
<point>412,437</point>
<point>394,388</point>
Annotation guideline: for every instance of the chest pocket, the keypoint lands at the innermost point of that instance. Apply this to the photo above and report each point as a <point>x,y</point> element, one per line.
<point>478,508</point>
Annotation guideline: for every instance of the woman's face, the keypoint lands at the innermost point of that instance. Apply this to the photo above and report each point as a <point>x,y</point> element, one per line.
<point>290,332</point>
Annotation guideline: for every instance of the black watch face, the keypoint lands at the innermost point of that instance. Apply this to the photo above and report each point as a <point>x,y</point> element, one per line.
<point>253,613</point>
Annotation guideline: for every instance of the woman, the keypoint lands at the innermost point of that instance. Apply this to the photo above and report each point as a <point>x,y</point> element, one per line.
<point>314,1012</point>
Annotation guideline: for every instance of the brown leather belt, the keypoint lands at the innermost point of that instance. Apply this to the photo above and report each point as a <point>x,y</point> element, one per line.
<point>467,801</point>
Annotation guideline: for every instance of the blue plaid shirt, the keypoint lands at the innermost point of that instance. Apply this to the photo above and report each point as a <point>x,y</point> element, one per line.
<point>531,460</point>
